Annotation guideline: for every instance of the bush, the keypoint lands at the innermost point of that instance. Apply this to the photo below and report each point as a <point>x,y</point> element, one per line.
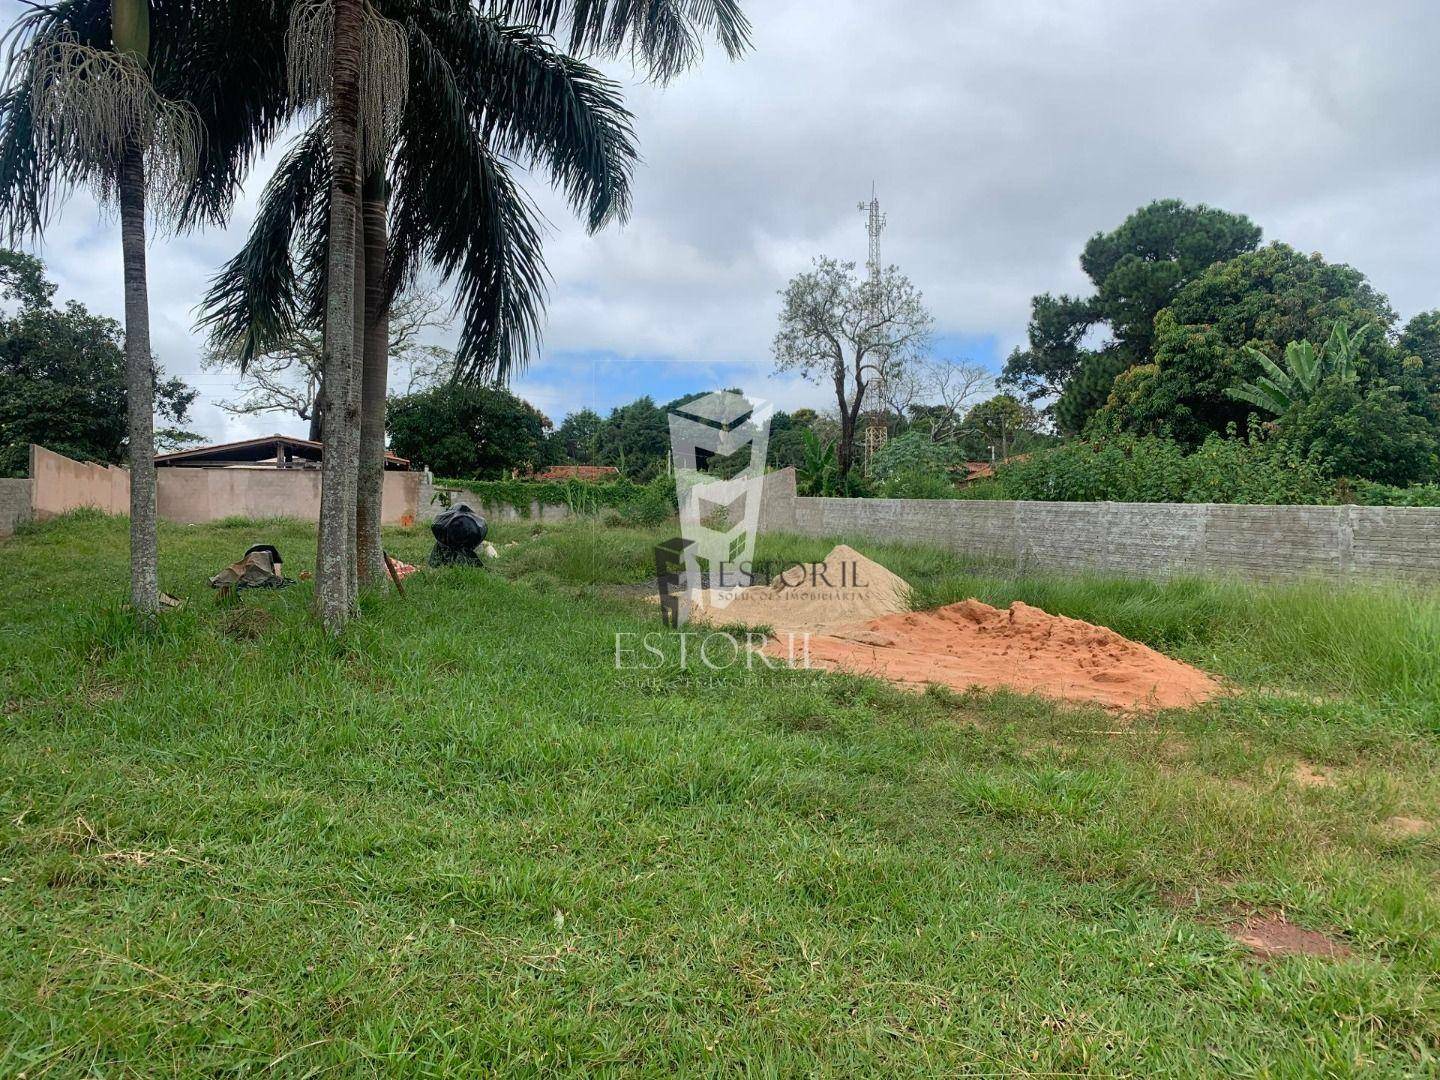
<point>917,484</point>
<point>913,454</point>
<point>1368,494</point>
<point>1131,468</point>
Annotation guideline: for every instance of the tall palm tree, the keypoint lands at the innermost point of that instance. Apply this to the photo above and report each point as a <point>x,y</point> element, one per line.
<point>353,62</point>
<point>122,96</point>
<point>482,95</point>
<point>97,118</point>
<point>482,92</point>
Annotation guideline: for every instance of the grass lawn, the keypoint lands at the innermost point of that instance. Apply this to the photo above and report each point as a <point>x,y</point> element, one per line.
<point>460,840</point>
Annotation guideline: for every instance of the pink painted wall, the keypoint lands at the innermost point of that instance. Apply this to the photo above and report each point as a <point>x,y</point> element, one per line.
<point>194,496</point>
<point>58,484</point>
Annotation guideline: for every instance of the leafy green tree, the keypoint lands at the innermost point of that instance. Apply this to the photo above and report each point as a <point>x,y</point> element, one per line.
<point>470,432</point>
<point>1363,434</point>
<point>635,438</point>
<point>1136,270</point>
<point>578,436</point>
<point>62,375</point>
<point>1204,339</point>
<point>819,470</point>
<point>998,428</point>
<point>911,454</point>
<point>1416,369</point>
<point>787,437</point>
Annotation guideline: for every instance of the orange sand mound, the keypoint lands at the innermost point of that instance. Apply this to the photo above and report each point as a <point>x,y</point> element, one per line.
<point>1026,649</point>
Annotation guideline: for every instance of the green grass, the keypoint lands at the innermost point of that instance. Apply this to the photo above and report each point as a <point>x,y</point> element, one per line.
<point>459,840</point>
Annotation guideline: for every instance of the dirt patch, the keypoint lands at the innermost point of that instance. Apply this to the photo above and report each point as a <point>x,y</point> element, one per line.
<point>1023,648</point>
<point>1270,937</point>
<point>1400,827</point>
<point>845,590</point>
<point>1310,776</point>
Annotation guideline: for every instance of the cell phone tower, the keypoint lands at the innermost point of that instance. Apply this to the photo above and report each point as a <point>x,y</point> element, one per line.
<point>874,225</point>
<point>875,431</point>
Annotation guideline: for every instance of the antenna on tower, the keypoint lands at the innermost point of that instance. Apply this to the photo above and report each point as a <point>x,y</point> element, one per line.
<point>874,225</point>
<point>875,432</point>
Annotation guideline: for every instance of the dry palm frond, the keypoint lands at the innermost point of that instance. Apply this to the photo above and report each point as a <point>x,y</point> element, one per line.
<point>89,105</point>
<point>384,70</point>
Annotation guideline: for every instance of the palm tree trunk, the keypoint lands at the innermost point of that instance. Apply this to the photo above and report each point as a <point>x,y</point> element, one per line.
<point>356,406</point>
<point>371,489</point>
<point>139,386</point>
<point>337,508</point>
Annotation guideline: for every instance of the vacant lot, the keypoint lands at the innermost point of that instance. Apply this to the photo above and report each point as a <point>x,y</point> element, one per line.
<point>461,840</point>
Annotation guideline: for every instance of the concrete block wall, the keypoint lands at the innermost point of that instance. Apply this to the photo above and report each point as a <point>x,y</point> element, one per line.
<point>430,506</point>
<point>1150,540</point>
<point>14,504</point>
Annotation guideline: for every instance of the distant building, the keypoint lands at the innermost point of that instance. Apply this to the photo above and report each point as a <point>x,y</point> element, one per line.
<point>266,452</point>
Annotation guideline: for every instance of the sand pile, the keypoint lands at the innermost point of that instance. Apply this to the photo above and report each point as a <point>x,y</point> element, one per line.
<point>845,590</point>
<point>973,644</point>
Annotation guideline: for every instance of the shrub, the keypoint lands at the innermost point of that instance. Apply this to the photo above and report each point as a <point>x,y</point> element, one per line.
<point>912,454</point>
<point>1130,468</point>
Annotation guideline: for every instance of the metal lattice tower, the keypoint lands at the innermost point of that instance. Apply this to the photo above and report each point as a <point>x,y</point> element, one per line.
<point>874,225</point>
<point>875,432</point>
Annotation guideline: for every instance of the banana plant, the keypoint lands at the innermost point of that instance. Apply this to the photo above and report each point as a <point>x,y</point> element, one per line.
<point>1282,388</point>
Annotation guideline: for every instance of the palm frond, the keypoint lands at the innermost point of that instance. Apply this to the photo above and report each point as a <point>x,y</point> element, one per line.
<point>664,37</point>
<point>1264,394</point>
<point>531,104</point>
<point>260,295</point>
<point>455,206</point>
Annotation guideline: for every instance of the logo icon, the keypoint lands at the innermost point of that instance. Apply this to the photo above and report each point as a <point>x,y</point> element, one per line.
<point>718,489</point>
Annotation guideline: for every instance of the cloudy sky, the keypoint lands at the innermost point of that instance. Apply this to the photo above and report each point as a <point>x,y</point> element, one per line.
<point>999,135</point>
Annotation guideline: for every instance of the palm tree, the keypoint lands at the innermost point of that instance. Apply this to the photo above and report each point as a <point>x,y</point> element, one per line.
<point>131,98</point>
<point>353,62</point>
<point>481,93</point>
<point>1305,369</point>
<point>97,118</point>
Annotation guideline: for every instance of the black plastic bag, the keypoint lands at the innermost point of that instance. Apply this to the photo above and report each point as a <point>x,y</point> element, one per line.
<point>458,532</point>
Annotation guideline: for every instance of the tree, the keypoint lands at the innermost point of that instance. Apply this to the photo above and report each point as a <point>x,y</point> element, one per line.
<point>1416,367</point>
<point>1136,270</point>
<point>62,375</point>
<point>286,378</point>
<point>1269,297</point>
<point>839,328</point>
<point>1369,434</point>
<point>999,427</point>
<point>479,432</point>
<point>635,438</point>
<point>487,92</point>
<point>787,437</point>
<point>95,117</point>
<point>154,106</point>
<point>578,436</point>
<point>936,391</point>
<point>914,454</point>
